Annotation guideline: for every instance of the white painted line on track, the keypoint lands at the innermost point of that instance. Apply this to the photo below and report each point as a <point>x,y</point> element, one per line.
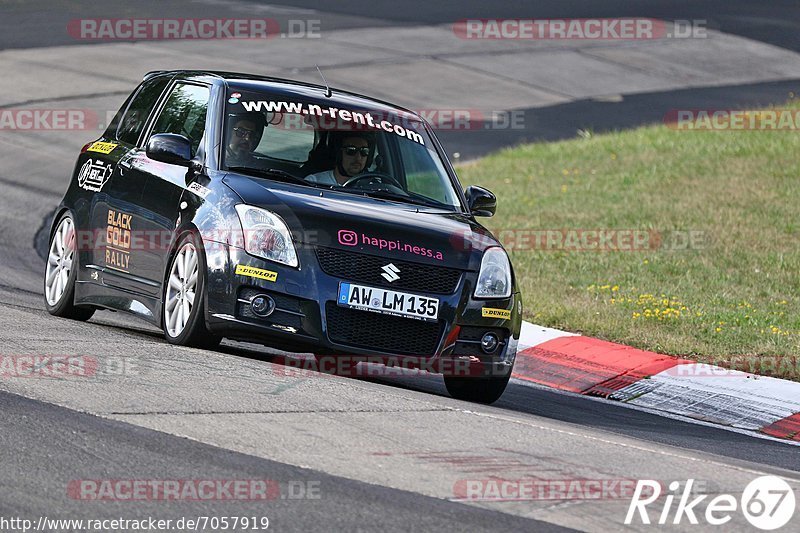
<point>533,335</point>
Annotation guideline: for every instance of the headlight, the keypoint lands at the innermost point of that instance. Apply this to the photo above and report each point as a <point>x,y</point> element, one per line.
<point>494,280</point>
<point>266,235</point>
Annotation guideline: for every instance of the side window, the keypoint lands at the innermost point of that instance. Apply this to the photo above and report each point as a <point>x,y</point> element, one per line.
<point>132,122</point>
<point>423,171</point>
<point>185,113</point>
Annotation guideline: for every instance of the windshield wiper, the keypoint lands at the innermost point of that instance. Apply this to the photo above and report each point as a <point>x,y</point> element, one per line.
<point>271,173</point>
<point>386,195</point>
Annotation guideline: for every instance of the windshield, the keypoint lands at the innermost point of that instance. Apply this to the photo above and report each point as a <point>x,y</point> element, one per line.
<point>356,150</point>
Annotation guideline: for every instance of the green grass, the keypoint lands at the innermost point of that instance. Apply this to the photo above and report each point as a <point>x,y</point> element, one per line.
<point>734,295</point>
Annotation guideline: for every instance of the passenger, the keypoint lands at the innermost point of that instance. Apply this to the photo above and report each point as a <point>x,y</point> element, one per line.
<point>353,153</point>
<point>244,133</point>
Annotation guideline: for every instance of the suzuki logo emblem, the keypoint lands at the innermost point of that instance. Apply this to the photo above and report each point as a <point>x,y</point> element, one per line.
<point>390,273</point>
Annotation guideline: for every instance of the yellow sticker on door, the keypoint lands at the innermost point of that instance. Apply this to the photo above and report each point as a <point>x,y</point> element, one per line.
<point>253,272</point>
<point>488,312</point>
<point>102,147</point>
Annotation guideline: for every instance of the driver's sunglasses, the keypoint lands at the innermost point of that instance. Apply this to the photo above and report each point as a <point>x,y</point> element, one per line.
<point>353,150</point>
<point>244,133</point>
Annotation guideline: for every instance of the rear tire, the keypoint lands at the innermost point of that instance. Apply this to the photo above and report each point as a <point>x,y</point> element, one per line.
<point>485,390</point>
<point>61,271</point>
<point>183,309</point>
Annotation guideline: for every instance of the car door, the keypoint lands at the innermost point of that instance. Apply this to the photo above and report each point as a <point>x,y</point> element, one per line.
<point>116,202</point>
<point>183,112</point>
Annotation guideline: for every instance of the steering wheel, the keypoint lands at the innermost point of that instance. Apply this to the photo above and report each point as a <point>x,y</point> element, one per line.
<point>371,175</point>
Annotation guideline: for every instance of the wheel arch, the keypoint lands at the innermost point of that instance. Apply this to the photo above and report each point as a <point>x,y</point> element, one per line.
<point>57,214</point>
<point>183,231</point>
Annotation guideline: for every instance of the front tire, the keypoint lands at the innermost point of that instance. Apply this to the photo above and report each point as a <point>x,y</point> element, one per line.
<point>184,297</point>
<point>485,390</point>
<point>61,271</point>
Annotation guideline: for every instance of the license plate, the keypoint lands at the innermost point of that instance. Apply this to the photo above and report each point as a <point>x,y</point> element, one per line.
<point>388,302</point>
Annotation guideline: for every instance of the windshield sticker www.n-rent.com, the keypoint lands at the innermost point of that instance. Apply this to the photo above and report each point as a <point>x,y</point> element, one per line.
<point>343,119</point>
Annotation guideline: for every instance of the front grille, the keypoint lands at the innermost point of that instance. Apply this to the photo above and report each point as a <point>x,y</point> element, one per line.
<point>384,333</point>
<point>367,269</point>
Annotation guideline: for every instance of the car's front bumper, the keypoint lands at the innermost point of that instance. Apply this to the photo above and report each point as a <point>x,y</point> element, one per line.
<point>307,318</point>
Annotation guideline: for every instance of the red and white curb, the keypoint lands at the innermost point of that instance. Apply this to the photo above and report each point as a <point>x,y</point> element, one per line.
<point>594,367</point>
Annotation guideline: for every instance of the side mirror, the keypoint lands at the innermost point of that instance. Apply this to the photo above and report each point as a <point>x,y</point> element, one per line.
<point>481,202</point>
<point>170,148</point>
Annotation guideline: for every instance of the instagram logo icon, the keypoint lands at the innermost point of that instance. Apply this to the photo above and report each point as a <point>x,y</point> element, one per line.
<point>348,237</point>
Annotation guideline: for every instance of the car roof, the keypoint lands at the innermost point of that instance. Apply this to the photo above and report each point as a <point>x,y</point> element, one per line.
<point>287,87</point>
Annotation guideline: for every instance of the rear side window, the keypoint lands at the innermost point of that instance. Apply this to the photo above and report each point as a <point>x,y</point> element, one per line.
<point>184,113</point>
<point>132,122</point>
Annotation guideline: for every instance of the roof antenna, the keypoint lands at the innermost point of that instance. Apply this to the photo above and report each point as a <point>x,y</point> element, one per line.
<point>327,89</point>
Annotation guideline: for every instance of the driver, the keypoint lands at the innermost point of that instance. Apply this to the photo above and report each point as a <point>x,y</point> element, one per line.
<point>353,152</point>
<point>244,134</point>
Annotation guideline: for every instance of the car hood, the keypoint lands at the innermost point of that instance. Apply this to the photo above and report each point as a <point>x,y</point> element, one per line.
<point>323,217</point>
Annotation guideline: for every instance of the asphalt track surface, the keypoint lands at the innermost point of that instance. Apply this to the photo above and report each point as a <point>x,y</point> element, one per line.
<point>41,23</point>
<point>109,449</point>
<point>385,452</point>
<point>37,23</point>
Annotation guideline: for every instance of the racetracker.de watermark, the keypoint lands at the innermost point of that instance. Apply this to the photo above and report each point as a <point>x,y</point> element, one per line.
<point>379,366</point>
<point>192,490</point>
<point>588,240</point>
<point>739,366</point>
<point>599,29</point>
<point>47,366</point>
<point>548,240</point>
<point>65,366</point>
<point>733,119</point>
<point>440,119</point>
<point>158,29</point>
<point>533,489</point>
<point>38,119</point>
<point>120,237</point>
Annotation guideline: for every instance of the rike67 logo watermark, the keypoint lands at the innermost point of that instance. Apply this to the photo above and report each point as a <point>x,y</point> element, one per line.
<point>768,503</point>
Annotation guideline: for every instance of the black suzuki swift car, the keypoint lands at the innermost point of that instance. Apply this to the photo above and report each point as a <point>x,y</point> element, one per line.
<point>293,215</point>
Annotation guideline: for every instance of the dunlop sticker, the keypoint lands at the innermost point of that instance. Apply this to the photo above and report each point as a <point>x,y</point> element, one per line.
<point>488,312</point>
<point>260,273</point>
<point>102,147</point>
